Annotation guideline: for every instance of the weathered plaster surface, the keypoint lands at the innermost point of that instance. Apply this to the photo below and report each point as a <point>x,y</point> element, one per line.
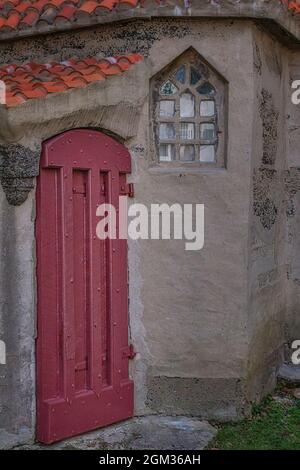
<point>17,318</point>
<point>18,167</point>
<point>292,187</point>
<point>267,261</point>
<point>271,13</point>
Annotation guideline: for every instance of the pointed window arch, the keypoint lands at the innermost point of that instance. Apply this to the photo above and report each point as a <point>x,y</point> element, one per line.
<point>188,113</point>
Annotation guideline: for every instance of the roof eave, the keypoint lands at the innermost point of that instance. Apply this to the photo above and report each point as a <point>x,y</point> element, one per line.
<point>276,18</point>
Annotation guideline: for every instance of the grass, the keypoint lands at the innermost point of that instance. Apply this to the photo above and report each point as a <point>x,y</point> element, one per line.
<point>274,425</point>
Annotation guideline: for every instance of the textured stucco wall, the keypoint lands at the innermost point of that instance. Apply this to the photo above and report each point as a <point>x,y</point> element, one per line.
<point>292,188</point>
<point>194,316</point>
<point>17,316</point>
<point>267,255</point>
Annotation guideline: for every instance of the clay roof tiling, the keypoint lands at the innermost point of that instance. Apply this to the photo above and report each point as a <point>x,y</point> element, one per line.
<point>22,15</point>
<point>293,5</point>
<point>34,80</point>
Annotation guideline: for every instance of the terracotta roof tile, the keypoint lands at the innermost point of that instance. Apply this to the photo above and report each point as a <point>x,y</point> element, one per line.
<point>293,5</point>
<point>33,80</point>
<point>18,15</point>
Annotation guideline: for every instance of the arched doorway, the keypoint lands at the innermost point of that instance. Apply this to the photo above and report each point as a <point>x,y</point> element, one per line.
<point>82,344</point>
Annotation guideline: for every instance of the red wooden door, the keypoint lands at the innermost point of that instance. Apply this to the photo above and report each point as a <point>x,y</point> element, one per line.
<point>82,342</point>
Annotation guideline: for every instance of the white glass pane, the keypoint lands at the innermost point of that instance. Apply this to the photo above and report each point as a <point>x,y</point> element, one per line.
<point>166,152</point>
<point>187,105</point>
<point>166,131</point>
<point>187,130</point>
<point>207,153</point>
<point>187,153</point>
<point>207,108</point>
<point>168,88</point>
<point>167,108</point>
<point>207,131</point>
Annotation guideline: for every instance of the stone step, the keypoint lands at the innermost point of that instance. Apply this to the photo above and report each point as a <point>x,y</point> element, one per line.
<point>289,372</point>
<point>147,432</point>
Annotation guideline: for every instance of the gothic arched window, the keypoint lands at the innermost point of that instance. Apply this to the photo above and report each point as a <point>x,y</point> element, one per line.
<point>189,100</point>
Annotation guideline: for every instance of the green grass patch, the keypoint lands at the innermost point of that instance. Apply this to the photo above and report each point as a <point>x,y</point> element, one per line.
<point>274,425</point>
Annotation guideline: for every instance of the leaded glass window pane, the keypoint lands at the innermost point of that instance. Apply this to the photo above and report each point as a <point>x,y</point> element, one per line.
<point>195,76</point>
<point>180,74</point>
<point>207,153</point>
<point>187,153</point>
<point>206,89</point>
<point>167,108</point>
<point>167,131</point>
<point>207,108</point>
<point>166,152</point>
<point>187,105</point>
<point>187,130</point>
<point>168,88</point>
<point>207,131</point>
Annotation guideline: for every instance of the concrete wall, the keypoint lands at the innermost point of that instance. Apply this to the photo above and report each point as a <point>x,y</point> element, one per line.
<point>195,324</point>
<point>195,317</point>
<point>267,254</point>
<point>17,317</point>
<point>292,188</point>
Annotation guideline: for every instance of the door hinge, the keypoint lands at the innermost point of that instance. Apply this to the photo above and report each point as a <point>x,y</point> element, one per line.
<point>127,189</point>
<point>129,352</point>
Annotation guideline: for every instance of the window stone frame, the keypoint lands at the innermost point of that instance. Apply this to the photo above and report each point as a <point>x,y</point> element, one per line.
<point>190,58</point>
